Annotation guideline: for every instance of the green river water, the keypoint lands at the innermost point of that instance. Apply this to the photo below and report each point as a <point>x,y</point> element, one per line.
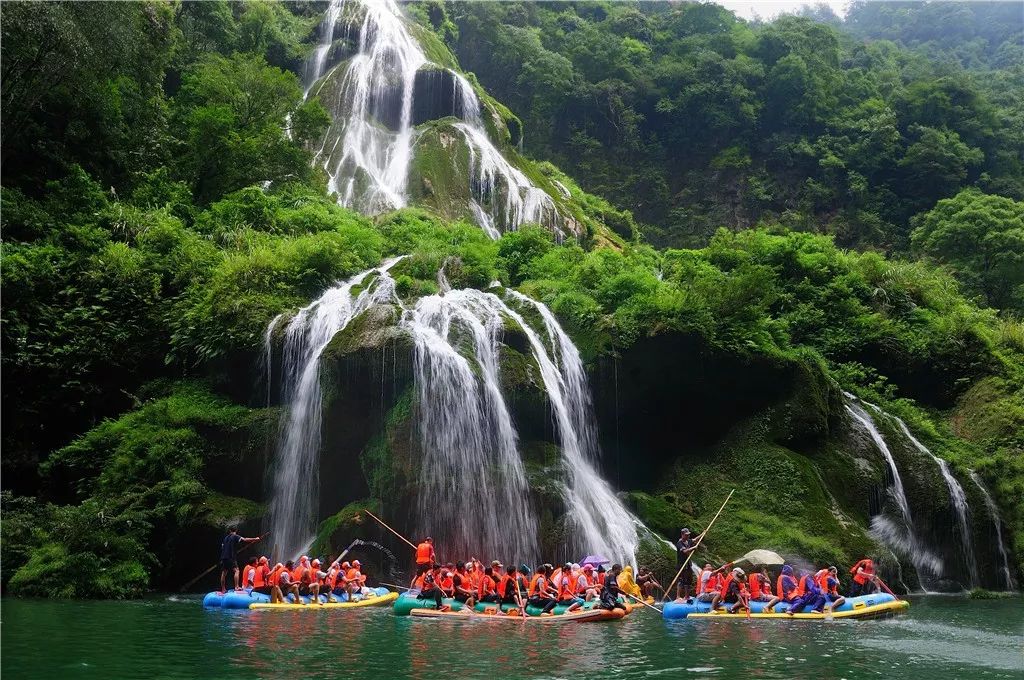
<point>174,637</point>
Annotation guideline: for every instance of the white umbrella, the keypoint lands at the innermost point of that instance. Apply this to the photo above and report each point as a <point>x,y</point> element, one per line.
<point>762,558</point>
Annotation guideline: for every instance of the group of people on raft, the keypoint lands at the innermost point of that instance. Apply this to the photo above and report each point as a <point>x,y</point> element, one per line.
<point>545,587</point>
<point>305,578</point>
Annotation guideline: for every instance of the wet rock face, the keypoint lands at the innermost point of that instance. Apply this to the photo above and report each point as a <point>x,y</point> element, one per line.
<point>435,96</point>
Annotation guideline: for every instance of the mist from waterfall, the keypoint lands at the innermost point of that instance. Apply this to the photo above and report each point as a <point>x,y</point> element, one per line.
<point>296,468</point>
<point>368,150</point>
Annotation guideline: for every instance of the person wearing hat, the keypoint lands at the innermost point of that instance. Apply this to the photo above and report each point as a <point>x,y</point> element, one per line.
<point>684,547</point>
<point>316,579</point>
<point>785,589</point>
<point>586,584</point>
<point>733,592</point>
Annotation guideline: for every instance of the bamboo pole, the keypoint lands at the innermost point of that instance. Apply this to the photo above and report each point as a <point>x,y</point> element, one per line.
<point>699,540</point>
<point>385,525</point>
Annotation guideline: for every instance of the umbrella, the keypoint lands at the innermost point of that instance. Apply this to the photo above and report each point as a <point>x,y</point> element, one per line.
<point>762,558</point>
<point>594,560</point>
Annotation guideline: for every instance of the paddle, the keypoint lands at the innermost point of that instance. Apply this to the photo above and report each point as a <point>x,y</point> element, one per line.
<point>385,525</point>
<point>392,585</point>
<point>699,539</point>
<point>649,606</point>
<point>885,586</point>
<point>217,564</point>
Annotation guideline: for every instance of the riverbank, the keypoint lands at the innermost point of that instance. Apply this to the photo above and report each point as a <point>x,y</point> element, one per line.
<point>173,637</point>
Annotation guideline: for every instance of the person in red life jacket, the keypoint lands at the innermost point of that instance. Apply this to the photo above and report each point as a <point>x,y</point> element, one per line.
<point>425,556</point>
<point>785,589</point>
<point>354,579</point>
<point>829,584</point>
<point>287,583</point>
<point>429,590</point>
<point>276,596</point>
<point>300,575</point>
<point>249,573</point>
<point>261,579</point>
<point>864,580</point>
<point>229,557</point>
<point>565,589</point>
<point>710,581</point>
<point>808,594</point>
<point>508,587</point>
<point>538,594</point>
<point>315,579</point>
<point>464,591</point>
<point>335,579</point>
<point>732,591</point>
<point>487,589</point>
<point>447,581</point>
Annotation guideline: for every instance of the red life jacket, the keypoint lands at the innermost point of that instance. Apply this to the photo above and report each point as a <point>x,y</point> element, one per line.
<point>275,576</point>
<point>713,582</point>
<point>755,585</point>
<point>700,581</point>
<point>248,576</point>
<point>447,581</point>
<point>723,589</point>
<point>486,586</point>
<point>506,587</point>
<point>566,590</point>
<point>423,552</point>
<point>869,570</point>
<point>536,586</point>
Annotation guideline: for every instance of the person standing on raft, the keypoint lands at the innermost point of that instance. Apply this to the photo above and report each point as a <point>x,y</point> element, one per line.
<point>865,582</point>
<point>425,556</point>
<point>229,557</point>
<point>684,547</point>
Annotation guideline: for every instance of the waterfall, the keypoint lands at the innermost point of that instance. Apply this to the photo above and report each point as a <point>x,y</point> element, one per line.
<point>368,151</point>
<point>997,521</point>
<point>958,500</point>
<point>596,516</point>
<point>882,528</point>
<point>268,356</point>
<point>296,477</point>
<point>473,493</point>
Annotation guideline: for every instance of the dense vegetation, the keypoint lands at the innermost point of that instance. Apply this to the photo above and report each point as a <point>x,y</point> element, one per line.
<point>157,214</point>
<point>694,119</point>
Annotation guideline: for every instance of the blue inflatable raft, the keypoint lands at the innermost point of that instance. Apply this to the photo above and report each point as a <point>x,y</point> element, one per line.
<point>242,599</point>
<point>860,607</point>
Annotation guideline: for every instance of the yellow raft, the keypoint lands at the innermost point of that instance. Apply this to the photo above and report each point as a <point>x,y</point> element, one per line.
<point>370,601</point>
<point>857,612</point>
<point>595,614</point>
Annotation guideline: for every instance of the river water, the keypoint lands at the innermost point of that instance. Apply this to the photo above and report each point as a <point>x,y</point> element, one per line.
<point>940,637</point>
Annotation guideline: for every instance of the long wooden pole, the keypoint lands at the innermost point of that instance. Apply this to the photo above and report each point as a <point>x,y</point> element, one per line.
<point>217,564</point>
<point>385,525</point>
<point>649,606</point>
<point>699,539</point>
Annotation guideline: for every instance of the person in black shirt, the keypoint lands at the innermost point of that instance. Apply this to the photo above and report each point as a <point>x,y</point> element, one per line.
<point>610,590</point>
<point>229,557</point>
<point>684,546</point>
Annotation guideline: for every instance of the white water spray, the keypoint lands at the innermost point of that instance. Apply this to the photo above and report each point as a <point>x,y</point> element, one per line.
<point>296,472</point>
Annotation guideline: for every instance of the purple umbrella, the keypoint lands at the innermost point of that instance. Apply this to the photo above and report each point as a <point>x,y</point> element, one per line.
<point>594,560</point>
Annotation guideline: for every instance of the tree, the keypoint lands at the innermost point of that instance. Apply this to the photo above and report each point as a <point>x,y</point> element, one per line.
<point>981,237</point>
<point>936,165</point>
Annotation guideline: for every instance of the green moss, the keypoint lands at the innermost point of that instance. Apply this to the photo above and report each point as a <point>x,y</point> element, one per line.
<point>435,50</point>
<point>218,510</point>
<point>332,535</point>
<point>660,513</point>
<point>385,461</point>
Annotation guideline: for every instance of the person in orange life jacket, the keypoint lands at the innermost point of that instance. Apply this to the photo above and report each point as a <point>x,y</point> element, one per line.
<point>864,580</point>
<point>538,593</point>
<point>759,587</point>
<point>424,556</point>
<point>587,586</point>
<point>808,595</point>
<point>566,589</point>
<point>274,580</point>
<point>316,582</point>
<point>710,581</point>
<point>355,579</point>
<point>464,591</point>
<point>785,588</point>
<point>829,584</point>
<point>508,586</point>
<point>610,589</point>
<point>261,578</point>
<point>447,581</point>
<point>300,575</point>
<point>684,548</point>
<point>229,557</point>
<point>487,589</point>
<point>288,584</point>
<point>428,586</point>
<point>249,572</point>
<point>732,591</point>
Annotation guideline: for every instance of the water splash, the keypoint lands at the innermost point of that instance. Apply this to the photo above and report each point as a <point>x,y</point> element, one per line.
<point>997,521</point>
<point>296,471</point>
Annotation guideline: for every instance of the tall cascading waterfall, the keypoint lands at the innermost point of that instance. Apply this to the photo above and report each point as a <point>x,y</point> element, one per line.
<point>473,494</point>
<point>368,150</point>
<point>901,538</point>
<point>296,470</point>
<point>997,521</point>
<point>957,498</point>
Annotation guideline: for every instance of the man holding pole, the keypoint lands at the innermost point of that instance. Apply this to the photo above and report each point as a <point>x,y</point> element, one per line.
<point>229,557</point>
<point>684,548</point>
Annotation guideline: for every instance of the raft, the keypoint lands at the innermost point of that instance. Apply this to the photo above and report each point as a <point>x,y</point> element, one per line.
<point>578,616</point>
<point>406,603</point>
<point>860,607</point>
<point>247,599</point>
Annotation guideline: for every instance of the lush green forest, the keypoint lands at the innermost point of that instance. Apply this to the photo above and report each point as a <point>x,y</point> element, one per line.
<point>838,199</point>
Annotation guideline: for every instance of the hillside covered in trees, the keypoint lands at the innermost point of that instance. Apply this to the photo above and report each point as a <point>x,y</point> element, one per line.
<point>764,219</point>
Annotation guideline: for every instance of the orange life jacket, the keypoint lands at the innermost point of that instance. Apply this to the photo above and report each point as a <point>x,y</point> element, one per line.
<point>713,582</point>
<point>447,581</point>
<point>423,551</point>
<point>486,586</point>
<point>801,586</point>
<point>700,580</point>
<point>506,586</point>
<point>248,576</point>
<point>566,589</point>
<point>821,578</point>
<point>723,589</point>
<point>755,585</point>
<point>869,570</point>
<point>259,579</point>
<point>536,586</point>
<point>298,573</point>
<point>353,576</point>
<point>275,577</point>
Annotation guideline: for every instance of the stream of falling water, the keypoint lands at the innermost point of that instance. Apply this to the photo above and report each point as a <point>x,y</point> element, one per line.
<point>997,521</point>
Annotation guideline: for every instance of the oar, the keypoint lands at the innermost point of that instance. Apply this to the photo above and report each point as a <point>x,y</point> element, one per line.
<point>699,539</point>
<point>392,585</point>
<point>885,586</point>
<point>385,525</point>
<point>649,606</point>
<point>217,564</point>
